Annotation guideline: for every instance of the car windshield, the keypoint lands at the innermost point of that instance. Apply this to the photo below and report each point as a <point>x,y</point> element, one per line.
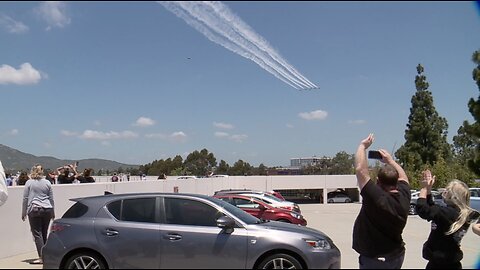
<point>272,197</point>
<point>237,212</point>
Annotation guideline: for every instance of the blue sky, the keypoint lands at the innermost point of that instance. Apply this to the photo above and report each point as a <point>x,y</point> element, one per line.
<point>133,82</point>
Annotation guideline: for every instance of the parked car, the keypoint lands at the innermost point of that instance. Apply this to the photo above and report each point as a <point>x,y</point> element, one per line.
<point>238,191</point>
<point>475,198</point>
<point>265,197</point>
<point>263,210</point>
<point>152,230</point>
<point>338,197</point>
<point>437,198</point>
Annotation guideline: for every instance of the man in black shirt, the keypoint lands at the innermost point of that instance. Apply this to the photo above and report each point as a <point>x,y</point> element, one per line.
<point>377,233</point>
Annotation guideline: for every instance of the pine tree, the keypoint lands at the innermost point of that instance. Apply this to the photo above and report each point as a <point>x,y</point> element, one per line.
<point>426,133</point>
<point>473,129</point>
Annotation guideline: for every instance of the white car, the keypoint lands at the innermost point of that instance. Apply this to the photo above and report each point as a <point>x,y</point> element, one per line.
<point>274,201</point>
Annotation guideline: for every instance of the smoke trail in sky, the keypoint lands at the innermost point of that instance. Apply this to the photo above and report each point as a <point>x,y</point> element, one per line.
<point>216,22</point>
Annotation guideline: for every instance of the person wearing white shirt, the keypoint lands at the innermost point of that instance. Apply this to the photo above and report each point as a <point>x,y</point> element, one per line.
<point>3,186</point>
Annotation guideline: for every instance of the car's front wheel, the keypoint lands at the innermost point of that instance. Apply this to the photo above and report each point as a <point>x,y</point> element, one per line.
<point>85,260</point>
<point>280,261</point>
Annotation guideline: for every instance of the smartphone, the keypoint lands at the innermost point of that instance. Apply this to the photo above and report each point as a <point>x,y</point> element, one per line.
<point>374,155</point>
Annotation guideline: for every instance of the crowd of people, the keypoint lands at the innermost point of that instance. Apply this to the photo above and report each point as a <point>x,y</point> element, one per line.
<point>377,231</point>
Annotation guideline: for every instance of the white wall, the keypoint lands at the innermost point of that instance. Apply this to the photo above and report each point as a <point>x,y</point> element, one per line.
<point>17,239</point>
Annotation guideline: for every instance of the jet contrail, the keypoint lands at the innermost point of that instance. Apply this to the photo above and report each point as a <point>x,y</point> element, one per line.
<point>204,14</point>
<point>216,22</point>
<point>248,33</point>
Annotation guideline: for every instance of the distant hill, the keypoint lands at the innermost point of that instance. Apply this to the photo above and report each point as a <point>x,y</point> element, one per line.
<point>15,160</point>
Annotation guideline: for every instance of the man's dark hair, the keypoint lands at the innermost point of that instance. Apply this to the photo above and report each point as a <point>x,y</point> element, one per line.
<point>388,176</point>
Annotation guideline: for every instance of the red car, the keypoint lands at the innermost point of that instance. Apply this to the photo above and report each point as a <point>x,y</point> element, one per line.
<point>262,210</point>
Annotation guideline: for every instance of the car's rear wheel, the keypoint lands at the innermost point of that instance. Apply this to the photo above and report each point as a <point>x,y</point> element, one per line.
<point>412,210</point>
<point>85,260</point>
<point>280,261</point>
<point>348,200</point>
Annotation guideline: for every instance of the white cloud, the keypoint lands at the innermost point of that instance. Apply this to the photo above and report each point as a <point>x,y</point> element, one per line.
<point>235,137</point>
<point>12,26</point>
<point>239,137</point>
<point>315,115</point>
<point>357,122</point>
<point>144,122</point>
<point>290,126</point>
<point>99,135</point>
<point>54,13</point>
<point>223,125</point>
<point>219,134</point>
<point>14,132</point>
<point>156,136</point>
<point>23,76</point>
<point>178,136</point>
<point>67,133</point>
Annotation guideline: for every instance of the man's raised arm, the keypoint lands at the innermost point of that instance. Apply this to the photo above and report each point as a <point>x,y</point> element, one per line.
<point>361,164</point>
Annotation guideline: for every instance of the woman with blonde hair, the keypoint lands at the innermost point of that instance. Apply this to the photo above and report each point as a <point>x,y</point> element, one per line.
<point>38,205</point>
<point>449,223</point>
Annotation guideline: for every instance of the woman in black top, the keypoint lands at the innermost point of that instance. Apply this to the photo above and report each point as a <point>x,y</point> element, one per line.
<point>448,223</point>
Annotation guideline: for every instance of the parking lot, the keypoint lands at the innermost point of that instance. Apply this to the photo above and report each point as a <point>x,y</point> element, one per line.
<point>337,220</point>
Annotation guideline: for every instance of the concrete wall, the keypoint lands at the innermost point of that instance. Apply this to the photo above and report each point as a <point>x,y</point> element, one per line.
<point>17,239</point>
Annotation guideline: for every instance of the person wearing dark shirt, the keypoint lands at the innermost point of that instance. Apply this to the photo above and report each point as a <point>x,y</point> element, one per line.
<point>449,223</point>
<point>86,177</point>
<point>377,232</point>
<point>65,175</point>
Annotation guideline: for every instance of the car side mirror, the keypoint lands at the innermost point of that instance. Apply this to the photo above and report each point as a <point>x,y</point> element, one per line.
<point>226,223</point>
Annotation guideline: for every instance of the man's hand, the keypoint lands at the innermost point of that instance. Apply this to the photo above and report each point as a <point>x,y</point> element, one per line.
<point>367,141</point>
<point>386,157</point>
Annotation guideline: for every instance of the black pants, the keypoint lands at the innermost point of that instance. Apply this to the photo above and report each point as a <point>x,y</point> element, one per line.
<point>443,265</point>
<point>39,220</point>
<point>388,262</point>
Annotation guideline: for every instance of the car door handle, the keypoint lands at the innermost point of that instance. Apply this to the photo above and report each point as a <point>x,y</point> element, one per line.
<point>110,232</point>
<point>172,237</point>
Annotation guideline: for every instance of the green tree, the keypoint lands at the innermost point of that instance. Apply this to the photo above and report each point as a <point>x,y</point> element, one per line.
<point>223,167</point>
<point>463,146</point>
<point>240,168</point>
<point>426,133</point>
<point>342,163</point>
<point>200,163</point>
<point>473,130</point>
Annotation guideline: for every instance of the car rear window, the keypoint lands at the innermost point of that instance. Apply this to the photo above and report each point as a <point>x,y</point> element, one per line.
<point>76,211</point>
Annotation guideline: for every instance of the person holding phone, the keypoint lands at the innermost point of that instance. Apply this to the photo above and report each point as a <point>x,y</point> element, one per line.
<point>377,232</point>
<point>3,186</point>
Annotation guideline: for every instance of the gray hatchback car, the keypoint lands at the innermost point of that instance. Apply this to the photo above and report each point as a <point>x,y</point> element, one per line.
<point>152,230</point>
